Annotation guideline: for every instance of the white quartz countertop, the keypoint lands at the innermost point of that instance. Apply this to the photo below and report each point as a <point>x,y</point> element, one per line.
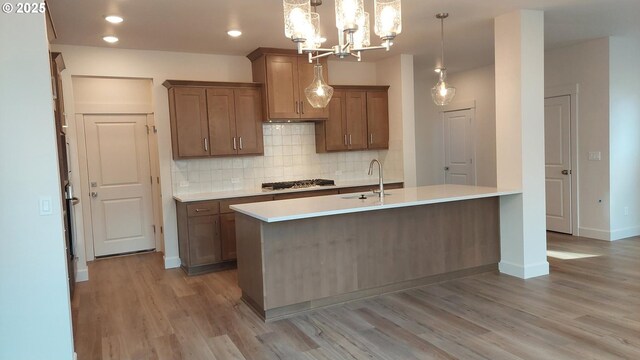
<point>254,192</point>
<point>294,209</point>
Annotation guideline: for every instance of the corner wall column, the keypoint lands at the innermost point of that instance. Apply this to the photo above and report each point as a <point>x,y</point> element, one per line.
<point>519,55</point>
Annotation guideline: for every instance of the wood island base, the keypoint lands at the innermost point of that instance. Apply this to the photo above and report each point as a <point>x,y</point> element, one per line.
<point>288,267</point>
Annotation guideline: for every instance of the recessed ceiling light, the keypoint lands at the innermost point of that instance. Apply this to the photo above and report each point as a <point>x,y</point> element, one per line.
<point>234,33</point>
<point>110,39</point>
<point>114,19</point>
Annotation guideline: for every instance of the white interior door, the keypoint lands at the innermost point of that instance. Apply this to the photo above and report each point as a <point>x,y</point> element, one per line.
<point>557,140</point>
<point>119,183</point>
<point>459,151</point>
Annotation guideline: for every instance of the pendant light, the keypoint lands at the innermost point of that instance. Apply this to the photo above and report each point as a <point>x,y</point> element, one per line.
<point>442,93</point>
<point>318,93</point>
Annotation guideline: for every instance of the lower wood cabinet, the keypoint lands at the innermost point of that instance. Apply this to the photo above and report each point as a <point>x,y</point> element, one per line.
<point>207,229</point>
<point>228,229</point>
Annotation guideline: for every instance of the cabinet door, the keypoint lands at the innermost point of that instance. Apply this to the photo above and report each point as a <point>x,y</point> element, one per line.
<point>356,113</point>
<point>249,121</point>
<point>282,87</point>
<point>189,123</point>
<point>204,240</point>
<point>378,119</point>
<point>305,77</point>
<point>222,125</point>
<point>336,124</point>
<point>228,229</point>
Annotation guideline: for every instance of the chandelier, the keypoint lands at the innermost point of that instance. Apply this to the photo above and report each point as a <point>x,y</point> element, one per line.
<point>302,26</point>
<point>442,93</point>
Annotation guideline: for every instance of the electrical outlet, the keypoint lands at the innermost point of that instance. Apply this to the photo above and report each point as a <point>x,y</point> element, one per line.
<point>46,206</point>
<point>626,211</point>
<point>235,180</point>
<point>338,172</point>
<point>183,184</point>
<point>595,156</point>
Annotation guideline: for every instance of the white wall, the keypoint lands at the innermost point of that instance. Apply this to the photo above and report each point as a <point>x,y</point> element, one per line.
<point>35,314</point>
<point>160,66</point>
<point>624,136</point>
<point>400,160</point>
<point>472,86</point>
<point>587,64</point>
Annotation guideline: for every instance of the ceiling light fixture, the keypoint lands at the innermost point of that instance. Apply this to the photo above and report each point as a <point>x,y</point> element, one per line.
<point>110,39</point>
<point>351,21</point>
<point>114,19</point>
<point>234,33</point>
<point>442,93</point>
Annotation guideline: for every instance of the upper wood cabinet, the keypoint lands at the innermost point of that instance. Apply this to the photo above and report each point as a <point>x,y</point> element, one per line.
<point>215,119</point>
<point>358,119</point>
<point>378,119</point>
<point>285,75</point>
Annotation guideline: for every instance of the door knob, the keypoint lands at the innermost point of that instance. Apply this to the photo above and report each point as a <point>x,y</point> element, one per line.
<point>94,194</point>
<point>566,172</point>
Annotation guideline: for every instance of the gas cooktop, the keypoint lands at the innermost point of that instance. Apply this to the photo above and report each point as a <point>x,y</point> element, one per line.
<point>297,184</point>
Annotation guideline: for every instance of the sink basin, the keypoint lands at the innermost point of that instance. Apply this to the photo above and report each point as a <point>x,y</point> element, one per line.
<point>368,195</point>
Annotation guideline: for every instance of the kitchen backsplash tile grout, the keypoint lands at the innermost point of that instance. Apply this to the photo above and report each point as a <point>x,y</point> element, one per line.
<point>289,154</point>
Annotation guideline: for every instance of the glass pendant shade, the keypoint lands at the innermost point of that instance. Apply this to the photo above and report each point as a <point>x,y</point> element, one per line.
<point>442,93</point>
<point>348,12</point>
<point>318,93</point>
<point>362,37</point>
<point>297,18</point>
<point>388,18</point>
<point>313,31</point>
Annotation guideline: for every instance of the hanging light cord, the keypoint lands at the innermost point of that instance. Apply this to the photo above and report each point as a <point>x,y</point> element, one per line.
<point>442,40</point>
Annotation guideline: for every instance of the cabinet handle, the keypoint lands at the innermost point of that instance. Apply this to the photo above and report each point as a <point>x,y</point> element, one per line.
<point>201,210</point>
<point>349,139</point>
<point>371,138</point>
<point>302,107</point>
<point>234,143</point>
<point>297,112</point>
<point>240,142</point>
<point>345,139</point>
<point>206,144</point>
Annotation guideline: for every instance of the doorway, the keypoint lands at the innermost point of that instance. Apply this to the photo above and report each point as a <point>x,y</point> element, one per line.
<point>459,147</point>
<point>559,177</point>
<point>119,167</point>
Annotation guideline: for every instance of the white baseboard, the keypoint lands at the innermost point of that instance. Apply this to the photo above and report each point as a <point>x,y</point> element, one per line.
<point>524,272</point>
<point>82,275</point>
<point>624,233</point>
<point>75,355</point>
<point>597,234</point>
<point>171,262</point>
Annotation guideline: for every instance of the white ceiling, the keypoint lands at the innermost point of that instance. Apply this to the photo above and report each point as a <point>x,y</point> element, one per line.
<point>200,25</point>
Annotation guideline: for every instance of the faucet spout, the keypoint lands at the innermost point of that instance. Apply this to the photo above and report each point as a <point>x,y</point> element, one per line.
<point>380,177</point>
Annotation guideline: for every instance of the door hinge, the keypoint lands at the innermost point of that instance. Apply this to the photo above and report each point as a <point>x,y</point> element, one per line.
<point>154,229</point>
<point>147,126</point>
<point>158,179</point>
<point>151,179</point>
<point>161,230</point>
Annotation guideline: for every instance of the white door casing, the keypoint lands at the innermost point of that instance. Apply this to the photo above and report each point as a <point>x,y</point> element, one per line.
<point>557,130</point>
<point>119,183</point>
<point>459,148</point>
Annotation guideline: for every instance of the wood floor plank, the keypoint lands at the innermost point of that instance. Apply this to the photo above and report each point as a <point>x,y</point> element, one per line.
<point>587,308</point>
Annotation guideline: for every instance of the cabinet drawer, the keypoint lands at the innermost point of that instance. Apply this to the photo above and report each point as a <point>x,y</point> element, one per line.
<point>359,189</point>
<point>304,194</point>
<point>203,208</point>
<point>224,204</point>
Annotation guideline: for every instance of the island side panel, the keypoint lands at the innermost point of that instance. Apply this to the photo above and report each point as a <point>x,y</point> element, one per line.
<point>250,266</point>
<point>318,258</point>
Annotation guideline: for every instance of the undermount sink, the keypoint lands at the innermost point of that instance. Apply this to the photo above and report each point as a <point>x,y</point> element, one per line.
<point>367,195</point>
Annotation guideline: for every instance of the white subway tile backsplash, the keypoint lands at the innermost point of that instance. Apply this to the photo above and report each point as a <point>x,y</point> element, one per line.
<point>289,154</point>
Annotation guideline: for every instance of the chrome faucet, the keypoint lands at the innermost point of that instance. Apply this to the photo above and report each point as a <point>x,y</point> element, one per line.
<point>380,178</point>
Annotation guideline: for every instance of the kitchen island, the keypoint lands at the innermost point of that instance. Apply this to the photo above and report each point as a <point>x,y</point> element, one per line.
<point>301,254</point>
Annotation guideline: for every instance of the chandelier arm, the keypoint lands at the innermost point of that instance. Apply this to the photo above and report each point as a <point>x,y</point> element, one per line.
<point>324,54</point>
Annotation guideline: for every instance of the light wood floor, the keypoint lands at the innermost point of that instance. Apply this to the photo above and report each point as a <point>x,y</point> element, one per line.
<point>588,308</point>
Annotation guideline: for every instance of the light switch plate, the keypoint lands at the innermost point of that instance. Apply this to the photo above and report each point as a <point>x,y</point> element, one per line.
<point>46,207</point>
<point>595,156</point>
